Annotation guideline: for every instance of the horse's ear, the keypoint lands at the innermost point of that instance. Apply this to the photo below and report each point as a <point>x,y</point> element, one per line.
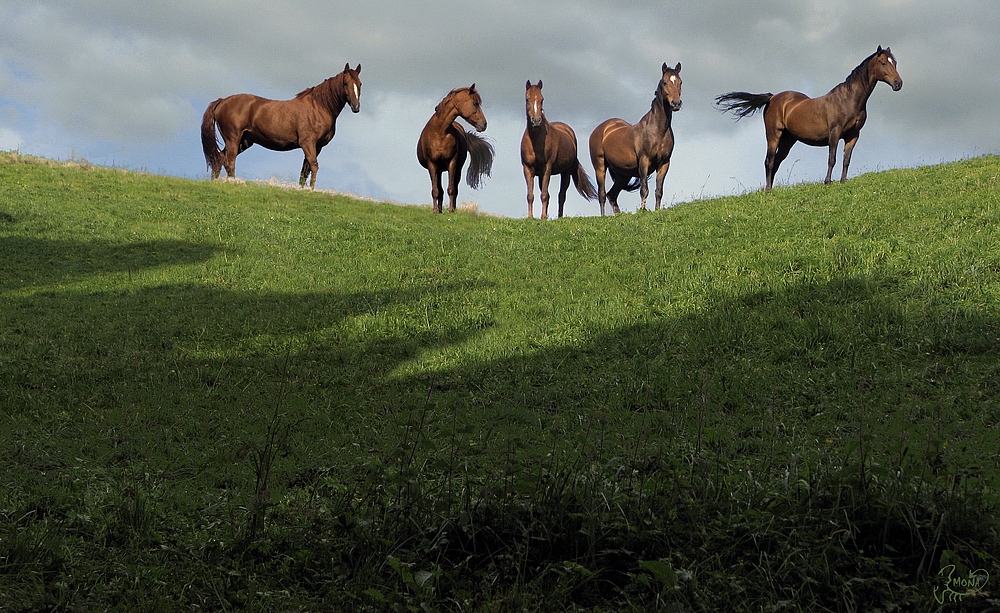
<point>677,68</point>
<point>665,68</point>
<point>879,50</point>
<point>347,66</point>
<point>527,85</point>
<point>539,84</point>
<point>358,69</point>
<point>472,89</point>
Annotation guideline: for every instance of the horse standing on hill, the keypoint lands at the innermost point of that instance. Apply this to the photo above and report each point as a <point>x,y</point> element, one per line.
<point>444,145</point>
<point>306,122</point>
<point>630,153</point>
<point>820,122</point>
<point>548,149</point>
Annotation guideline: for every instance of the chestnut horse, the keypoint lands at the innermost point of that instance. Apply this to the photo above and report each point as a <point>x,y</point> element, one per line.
<point>632,153</point>
<point>305,122</point>
<point>548,149</point>
<point>820,122</point>
<point>444,145</point>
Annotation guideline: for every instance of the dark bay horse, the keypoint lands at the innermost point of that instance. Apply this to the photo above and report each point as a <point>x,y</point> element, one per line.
<point>630,153</point>
<point>820,122</point>
<point>548,149</point>
<point>307,121</point>
<point>444,145</point>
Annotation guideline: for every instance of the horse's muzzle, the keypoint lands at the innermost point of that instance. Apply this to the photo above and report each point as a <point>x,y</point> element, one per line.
<point>675,105</point>
<point>355,108</point>
<point>896,85</point>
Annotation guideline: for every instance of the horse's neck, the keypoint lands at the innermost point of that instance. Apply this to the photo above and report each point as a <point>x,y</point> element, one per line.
<point>659,116</point>
<point>334,99</point>
<point>446,113</point>
<point>856,91</point>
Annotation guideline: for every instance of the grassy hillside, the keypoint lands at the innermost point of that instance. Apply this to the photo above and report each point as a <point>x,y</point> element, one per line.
<point>227,396</point>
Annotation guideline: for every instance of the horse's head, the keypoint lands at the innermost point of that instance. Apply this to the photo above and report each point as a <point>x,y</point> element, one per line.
<point>883,66</point>
<point>470,107</point>
<point>352,86</point>
<point>669,90</point>
<point>533,99</point>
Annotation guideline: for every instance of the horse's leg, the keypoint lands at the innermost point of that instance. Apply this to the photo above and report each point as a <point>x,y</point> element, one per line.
<point>782,146</point>
<point>599,170</point>
<point>616,188</point>
<point>832,159</point>
<point>643,181</point>
<point>229,156</point>
<point>848,150</point>
<point>543,187</point>
<point>306,169</point>
<point>567,177</point>
<point>436,194</point>
<point>454,177</point>
<point>661,174</point>
<point>529,178</point>
<point>311,153</point>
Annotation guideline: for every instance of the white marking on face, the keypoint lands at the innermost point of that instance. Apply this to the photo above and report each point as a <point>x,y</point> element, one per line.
<point>357,92</point>
<point>673,79</point>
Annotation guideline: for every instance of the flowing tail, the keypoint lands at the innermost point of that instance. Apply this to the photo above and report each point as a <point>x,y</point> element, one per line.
<point>209,143</point>
<point>480,159</point>
<point>742,104</point>
<point>583,183</point>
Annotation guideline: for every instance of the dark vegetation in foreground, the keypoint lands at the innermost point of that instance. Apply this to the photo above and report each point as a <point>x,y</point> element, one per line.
<point>235,397</point>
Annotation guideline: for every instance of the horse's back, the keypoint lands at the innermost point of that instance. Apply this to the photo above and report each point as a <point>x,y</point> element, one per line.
<point>806,118</point>
<point>235,111</point>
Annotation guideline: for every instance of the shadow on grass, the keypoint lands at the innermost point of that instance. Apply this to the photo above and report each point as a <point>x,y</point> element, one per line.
<point>181,380</point>
<point>30,262</point>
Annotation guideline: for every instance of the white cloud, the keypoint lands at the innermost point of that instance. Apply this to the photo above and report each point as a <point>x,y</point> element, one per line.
<point>10,140</point>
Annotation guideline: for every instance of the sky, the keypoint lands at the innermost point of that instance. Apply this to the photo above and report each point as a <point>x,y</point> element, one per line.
<point>124,83</point>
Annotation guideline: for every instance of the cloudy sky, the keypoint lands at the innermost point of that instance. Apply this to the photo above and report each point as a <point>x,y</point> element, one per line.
<point>124,83</point>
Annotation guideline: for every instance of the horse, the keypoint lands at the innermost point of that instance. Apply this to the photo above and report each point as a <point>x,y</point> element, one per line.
<point>548,149</point>
<point>631,153</point>
<point>444,145</point>
<point>821,122</point>
<point>308,122</point>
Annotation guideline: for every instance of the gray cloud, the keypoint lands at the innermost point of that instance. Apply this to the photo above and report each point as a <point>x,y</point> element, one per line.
<point>127,82</point>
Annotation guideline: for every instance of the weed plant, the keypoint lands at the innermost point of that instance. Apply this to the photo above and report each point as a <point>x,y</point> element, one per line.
<point>225,396</point>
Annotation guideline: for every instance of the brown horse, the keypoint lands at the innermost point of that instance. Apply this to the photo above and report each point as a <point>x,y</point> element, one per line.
<point>548,149</point>
<point>307,121</point>
<point>820,122</point>
<point>632,153</point>
<point>444,145</point>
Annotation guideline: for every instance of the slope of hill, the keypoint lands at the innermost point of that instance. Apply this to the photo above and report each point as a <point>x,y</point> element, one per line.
<point>223,395</point>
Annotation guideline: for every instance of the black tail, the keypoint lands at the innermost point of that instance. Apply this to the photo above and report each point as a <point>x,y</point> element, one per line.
<point>209,144</point>
<point>742,104</point>
<point>632,185</point>
<point>583,183</point>
<point>480,159</point>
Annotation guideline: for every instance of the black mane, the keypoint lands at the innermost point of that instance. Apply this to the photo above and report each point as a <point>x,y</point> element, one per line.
<point>860,74</point>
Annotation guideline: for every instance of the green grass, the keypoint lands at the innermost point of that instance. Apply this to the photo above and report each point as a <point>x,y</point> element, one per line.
<point>238,397</point>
